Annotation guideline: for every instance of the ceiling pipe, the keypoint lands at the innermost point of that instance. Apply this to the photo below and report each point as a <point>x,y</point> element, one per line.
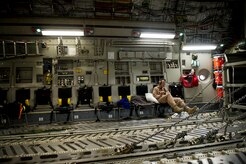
<point>97,28</point>
<point>73,22</point>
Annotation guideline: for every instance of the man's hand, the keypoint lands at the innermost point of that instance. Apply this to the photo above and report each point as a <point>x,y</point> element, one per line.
<point>161,92</point>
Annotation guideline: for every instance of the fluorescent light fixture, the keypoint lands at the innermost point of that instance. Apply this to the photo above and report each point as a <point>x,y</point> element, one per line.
<point>198,47</point>
<point>158,35</point>
<point>63,32</point>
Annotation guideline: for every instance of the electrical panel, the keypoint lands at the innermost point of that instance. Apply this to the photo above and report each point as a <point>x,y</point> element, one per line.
<point>172,64</point>
<point>62,50</point>
<point>142,78</point>
<point>122,75</point>
<point>156,71</point>
<point>65,73</point>
<point>24,74</point>
<point>81,79</point>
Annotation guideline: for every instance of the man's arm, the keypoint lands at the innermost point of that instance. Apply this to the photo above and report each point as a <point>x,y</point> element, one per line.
<point>156,93</point>
<point>166,91</point>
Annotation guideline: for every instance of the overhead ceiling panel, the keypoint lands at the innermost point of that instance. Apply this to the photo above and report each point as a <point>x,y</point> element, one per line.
<point>201,19</point>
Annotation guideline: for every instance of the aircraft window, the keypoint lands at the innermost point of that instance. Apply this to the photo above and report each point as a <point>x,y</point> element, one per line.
<point>203,74</point>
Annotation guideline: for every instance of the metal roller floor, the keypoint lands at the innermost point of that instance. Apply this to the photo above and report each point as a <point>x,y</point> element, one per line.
<point>86,142</point>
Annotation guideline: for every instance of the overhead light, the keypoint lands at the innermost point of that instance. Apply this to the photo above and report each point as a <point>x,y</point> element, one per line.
<point>198,47</point>
<point>63,32</point>
<point>159,35</point>
<point>38,30</point>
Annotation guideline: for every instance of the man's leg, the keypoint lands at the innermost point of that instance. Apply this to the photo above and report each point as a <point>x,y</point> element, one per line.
<point>172,103</point>
<point>179,102</point>
<point>162,100</point>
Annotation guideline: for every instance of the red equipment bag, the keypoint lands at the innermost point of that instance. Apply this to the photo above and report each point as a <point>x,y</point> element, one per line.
<point>189,81</point>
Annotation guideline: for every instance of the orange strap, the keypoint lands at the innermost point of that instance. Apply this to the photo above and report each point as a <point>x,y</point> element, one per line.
<point>21,109</point>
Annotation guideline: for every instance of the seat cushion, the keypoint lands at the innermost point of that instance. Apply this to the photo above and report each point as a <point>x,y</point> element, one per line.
<point>151,98</point>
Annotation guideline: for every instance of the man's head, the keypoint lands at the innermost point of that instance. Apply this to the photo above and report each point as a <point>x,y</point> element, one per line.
<point>162,83</point>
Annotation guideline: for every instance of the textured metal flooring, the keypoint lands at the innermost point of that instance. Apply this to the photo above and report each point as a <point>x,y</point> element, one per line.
<point>91,140</point>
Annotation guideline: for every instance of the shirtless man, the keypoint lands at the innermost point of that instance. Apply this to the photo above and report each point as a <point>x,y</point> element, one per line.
<point>164,96</point>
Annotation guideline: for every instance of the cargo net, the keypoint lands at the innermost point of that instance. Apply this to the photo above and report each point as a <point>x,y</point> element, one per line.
<point>209,136</point>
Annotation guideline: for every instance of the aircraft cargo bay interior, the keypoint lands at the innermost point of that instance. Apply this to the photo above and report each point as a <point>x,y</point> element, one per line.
<point>123,81</point>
